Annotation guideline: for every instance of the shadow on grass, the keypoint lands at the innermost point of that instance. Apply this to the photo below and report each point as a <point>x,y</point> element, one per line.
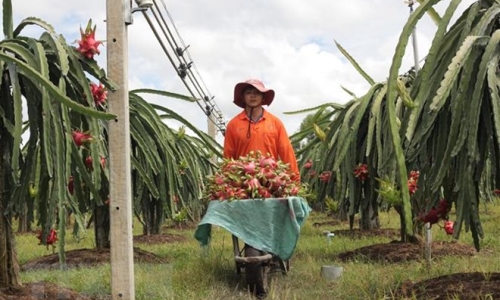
<point>221,271</point>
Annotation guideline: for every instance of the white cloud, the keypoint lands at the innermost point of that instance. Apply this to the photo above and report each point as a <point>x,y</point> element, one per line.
<point>287,43</point>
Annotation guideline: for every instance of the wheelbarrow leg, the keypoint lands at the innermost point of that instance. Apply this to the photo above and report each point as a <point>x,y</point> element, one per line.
<point>284,266</point>
<point>255,274</point>
<point>236,250</point>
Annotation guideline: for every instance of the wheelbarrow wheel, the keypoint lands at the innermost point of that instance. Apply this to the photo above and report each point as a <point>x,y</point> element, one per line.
<point>255,274</point>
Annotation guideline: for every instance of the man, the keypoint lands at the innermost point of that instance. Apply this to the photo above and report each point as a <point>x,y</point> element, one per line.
<point>255,129</point>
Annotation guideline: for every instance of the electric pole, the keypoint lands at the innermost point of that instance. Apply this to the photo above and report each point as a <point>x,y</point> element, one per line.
<point>211,128</point>
<point>120,207</point>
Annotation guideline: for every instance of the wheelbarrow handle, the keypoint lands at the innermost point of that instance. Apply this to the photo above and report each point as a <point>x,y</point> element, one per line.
<point>253,259</point>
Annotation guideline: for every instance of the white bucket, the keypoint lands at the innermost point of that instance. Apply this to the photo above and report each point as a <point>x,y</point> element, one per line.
<point>331,272</point>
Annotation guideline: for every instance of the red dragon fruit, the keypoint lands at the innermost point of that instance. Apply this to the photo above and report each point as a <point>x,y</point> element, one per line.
<point>249,168</point>
<point>412,182</point>
<point>81,137</point>
<point>448,227</point>
<point>219,180</point>
<point>99,93</point>
<point>268,161</point>
<point>308,164</point>
<point>294,190</point>
<point>432,216</point>
<point>279,181</point>
<point>264,193</point>
<point>325,176</point>
<point>88,163</point>
<point>88,46</point>
<point>51,238</point>
<point>253,184</point>
<point>71,185</point>
<point>361,172</point>
<point>436,214</point>
<point>267,173</point>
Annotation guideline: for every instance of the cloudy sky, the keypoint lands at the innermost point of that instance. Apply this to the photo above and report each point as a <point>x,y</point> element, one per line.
<point>289,44</point>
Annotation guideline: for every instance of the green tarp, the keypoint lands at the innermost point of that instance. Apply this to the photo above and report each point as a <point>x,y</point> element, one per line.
<point>271,225</point>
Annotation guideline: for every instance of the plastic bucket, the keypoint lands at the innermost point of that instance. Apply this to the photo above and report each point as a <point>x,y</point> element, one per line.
<point>331,272</point>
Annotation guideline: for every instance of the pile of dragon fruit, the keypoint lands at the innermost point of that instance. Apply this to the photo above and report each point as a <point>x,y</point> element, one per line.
<point>254,176</point>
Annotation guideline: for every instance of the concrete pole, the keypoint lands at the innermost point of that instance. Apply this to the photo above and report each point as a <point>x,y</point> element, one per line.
<point>212,132</point>
<point>211,128</point>
<point>122,258</point>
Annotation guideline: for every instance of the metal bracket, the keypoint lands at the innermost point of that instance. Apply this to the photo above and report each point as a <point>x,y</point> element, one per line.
<point>129,11</point>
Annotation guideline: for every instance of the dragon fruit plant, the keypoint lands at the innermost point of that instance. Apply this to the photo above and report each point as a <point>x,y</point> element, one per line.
<point>254,176</point>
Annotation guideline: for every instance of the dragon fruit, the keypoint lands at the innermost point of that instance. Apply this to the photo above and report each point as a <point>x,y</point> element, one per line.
<point>51,238</point>
<point>308,164</point>
<point>80,137</point>
<point>325,176</point>
<point>88,163</point>
<point>448,227</point>
<point>103,162</point>
<point>88,46</point>
<point>412,182</point>
<point>71,185</point>
<point>99,93</point>
<point>361,172</point>
<point>436,213</point>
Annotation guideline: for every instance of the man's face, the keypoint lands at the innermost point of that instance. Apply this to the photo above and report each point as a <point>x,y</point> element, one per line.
<point>252,97</point>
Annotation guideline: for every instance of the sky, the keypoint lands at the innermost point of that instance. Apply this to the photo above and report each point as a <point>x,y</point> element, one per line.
<point>288,44</point>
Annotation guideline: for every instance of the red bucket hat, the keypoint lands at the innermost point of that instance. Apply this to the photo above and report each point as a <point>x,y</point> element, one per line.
<point>238,92</point>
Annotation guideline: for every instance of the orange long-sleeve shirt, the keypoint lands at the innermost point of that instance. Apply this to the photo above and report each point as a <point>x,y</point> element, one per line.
<point>268,135</point>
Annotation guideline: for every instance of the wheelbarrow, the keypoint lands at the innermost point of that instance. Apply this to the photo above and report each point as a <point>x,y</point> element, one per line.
<point>264,234</point>
<point>257,265</point>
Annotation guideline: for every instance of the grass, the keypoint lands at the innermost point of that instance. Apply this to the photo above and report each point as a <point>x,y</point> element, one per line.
<point>195,274</point>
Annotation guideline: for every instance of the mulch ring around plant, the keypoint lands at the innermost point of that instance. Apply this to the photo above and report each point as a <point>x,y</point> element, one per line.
<point>464,286</point>
<point>181,226</point>
<point>159,238</point>
<point>327,223</point>
<point>361,233</point>
<point>399,252</point>
<point>43,290</point>
<point>85,258</point>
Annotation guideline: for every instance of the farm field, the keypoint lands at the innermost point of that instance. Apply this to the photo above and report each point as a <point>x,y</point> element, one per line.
<point>173,266</point>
